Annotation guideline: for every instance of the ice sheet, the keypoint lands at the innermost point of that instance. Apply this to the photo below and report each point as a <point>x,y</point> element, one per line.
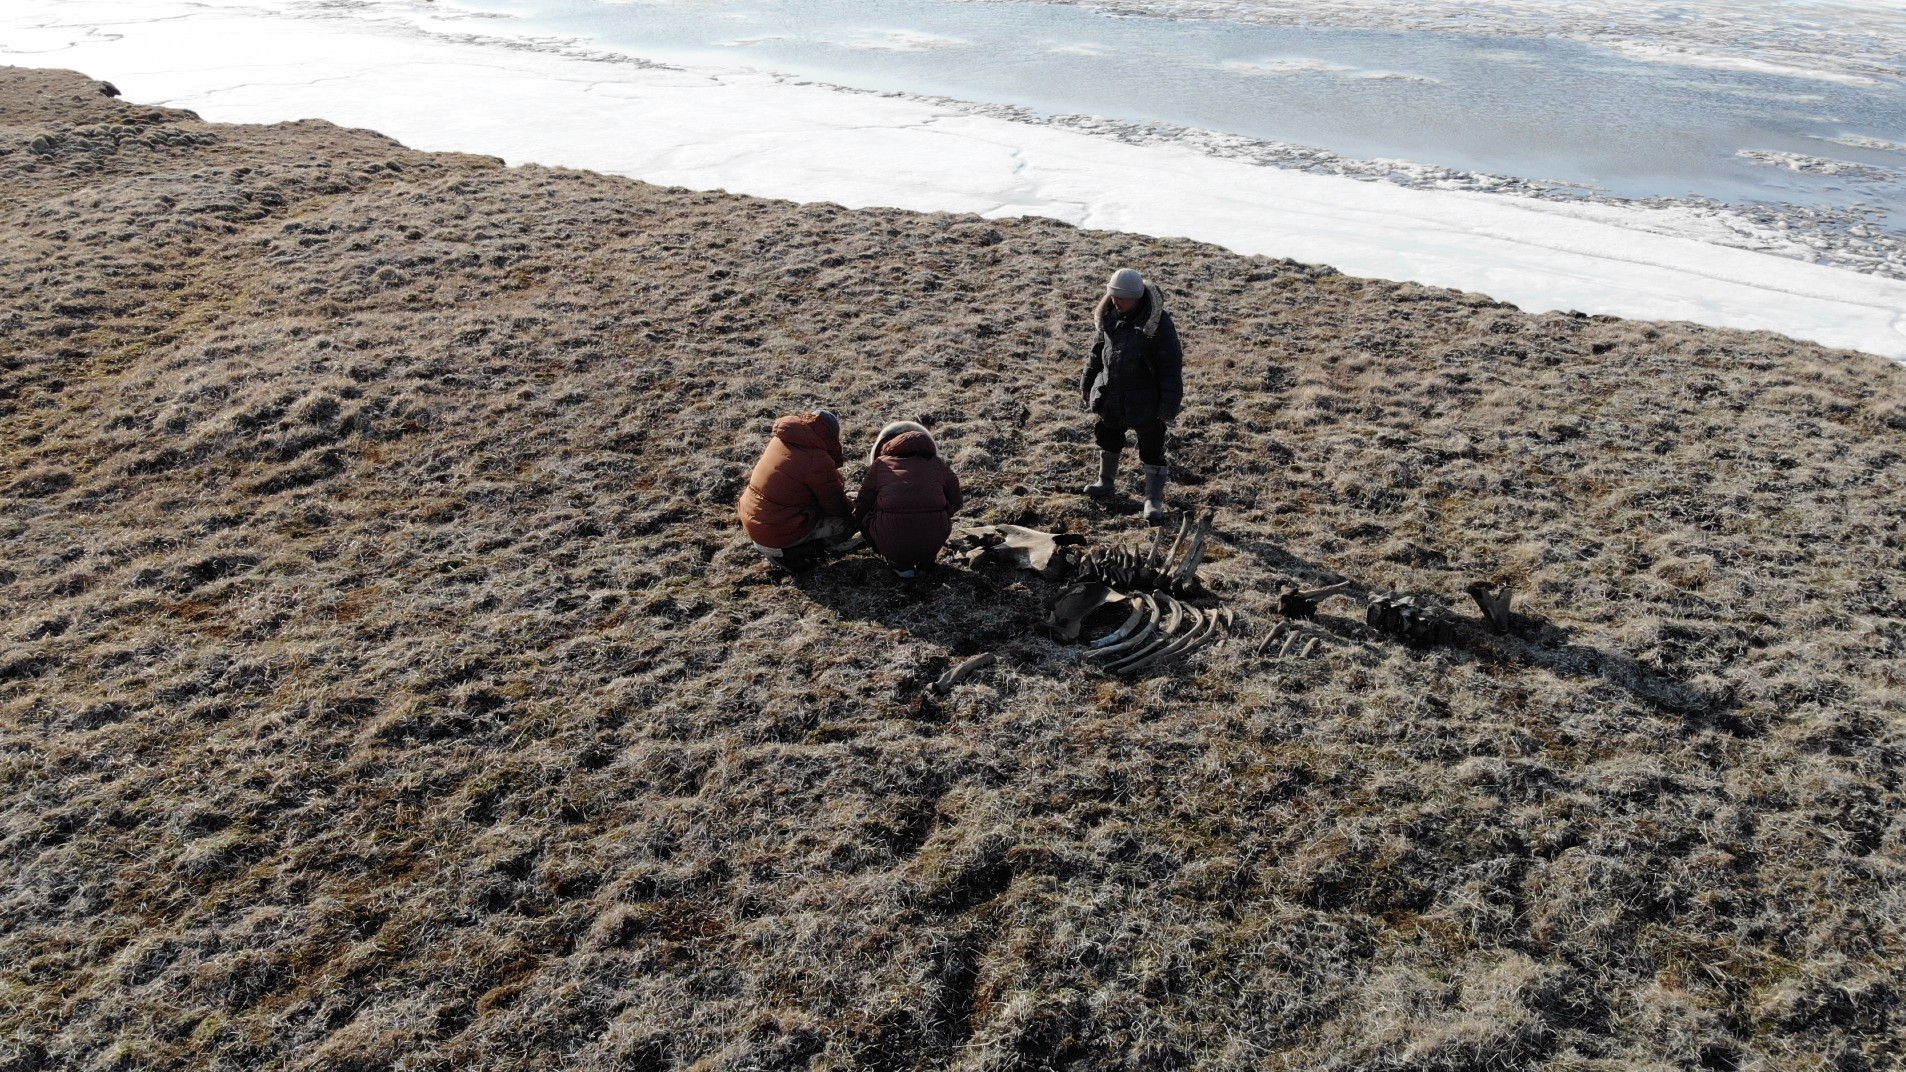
<point>751,133</point>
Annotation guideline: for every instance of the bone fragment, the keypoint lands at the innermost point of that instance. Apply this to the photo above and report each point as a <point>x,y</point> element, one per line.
<point>1309,646</point>
<point>960,673</point>
<point>1069,611</point>
<point>1273,633</point>
<point>1494,601</point>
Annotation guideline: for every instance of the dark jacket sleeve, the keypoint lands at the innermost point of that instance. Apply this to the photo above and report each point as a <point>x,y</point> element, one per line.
<point>1168,362</point>
<point>1093,364</point>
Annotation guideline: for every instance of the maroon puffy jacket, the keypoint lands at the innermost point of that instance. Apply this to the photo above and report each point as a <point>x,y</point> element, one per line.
<point>908,500</point>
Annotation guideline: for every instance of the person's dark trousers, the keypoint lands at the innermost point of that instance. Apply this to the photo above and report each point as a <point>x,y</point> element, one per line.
<point>1110,435</point>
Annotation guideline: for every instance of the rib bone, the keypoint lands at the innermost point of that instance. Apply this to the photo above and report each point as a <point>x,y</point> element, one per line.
<point>1185,576</point>
<point>1123,631</point>
<point>1274,632</point>
<point>1196,638</point>
<point>1144,632</point>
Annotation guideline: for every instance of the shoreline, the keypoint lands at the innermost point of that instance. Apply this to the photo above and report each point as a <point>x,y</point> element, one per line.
<point>713,130</point>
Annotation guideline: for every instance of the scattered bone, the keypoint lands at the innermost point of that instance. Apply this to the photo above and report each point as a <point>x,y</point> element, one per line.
<point>1068,612</point>
<point>1301,604</point>
<point>960,673</point>
<point>1309,646</point>
<point>1272,634</point>
<point>1289,642</point>
<point>1494,601</point>
<point>1407,619</point>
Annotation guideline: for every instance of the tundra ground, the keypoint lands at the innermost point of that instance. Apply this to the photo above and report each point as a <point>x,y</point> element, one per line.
<point>384,682</point>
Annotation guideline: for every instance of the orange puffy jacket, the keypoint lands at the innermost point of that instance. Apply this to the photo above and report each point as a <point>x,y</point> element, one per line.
<point>796,483</point>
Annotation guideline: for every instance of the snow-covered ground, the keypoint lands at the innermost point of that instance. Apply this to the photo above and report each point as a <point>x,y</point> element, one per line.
<point>437,77</point>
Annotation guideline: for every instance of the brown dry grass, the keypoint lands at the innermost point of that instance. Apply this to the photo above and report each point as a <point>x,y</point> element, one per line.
<point>384,683</point>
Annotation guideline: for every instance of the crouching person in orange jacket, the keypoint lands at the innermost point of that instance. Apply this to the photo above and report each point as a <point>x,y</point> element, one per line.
<point>908,498</point>
<point>795,507</point>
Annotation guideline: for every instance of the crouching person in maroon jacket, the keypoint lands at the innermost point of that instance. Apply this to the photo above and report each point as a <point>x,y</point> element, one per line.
<point>908,498</point>
<point>795,508</point>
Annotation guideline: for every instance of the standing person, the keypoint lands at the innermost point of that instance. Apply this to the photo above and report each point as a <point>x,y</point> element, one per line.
<point>1134,380</point>
<point>795,507</point>
<point>908,498</point>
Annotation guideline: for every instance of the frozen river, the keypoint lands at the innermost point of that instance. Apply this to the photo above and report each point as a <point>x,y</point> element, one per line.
<point>1543,108</point>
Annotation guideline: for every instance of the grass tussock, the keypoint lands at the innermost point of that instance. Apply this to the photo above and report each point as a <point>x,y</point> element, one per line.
<point>384,681</point>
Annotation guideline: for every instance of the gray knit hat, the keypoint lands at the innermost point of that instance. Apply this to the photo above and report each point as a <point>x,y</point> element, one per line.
<point>829,419</point>
<point>1125,283</point>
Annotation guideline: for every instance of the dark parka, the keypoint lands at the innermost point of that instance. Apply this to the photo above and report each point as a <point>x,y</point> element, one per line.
<point>1135,376</point>
<point>908,498</point>
<point>796,483</point>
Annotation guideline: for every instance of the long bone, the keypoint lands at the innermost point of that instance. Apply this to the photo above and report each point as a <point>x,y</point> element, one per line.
<point>959,673</point>
<point>1295,602</point>
<point>1140,636</point>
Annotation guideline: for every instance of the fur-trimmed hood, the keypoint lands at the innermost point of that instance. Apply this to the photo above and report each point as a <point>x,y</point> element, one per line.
<point>1150,327</point>
<point>897,429</point>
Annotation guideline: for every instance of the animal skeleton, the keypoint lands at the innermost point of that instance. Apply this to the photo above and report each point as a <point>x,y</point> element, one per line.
<point>1160,627</point>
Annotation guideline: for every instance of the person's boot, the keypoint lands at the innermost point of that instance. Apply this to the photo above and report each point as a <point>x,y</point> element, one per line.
<point>1155,494</point>
<point>1108,476</point>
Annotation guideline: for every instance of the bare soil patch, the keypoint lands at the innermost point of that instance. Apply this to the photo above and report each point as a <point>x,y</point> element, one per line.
<point>385,682</point>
